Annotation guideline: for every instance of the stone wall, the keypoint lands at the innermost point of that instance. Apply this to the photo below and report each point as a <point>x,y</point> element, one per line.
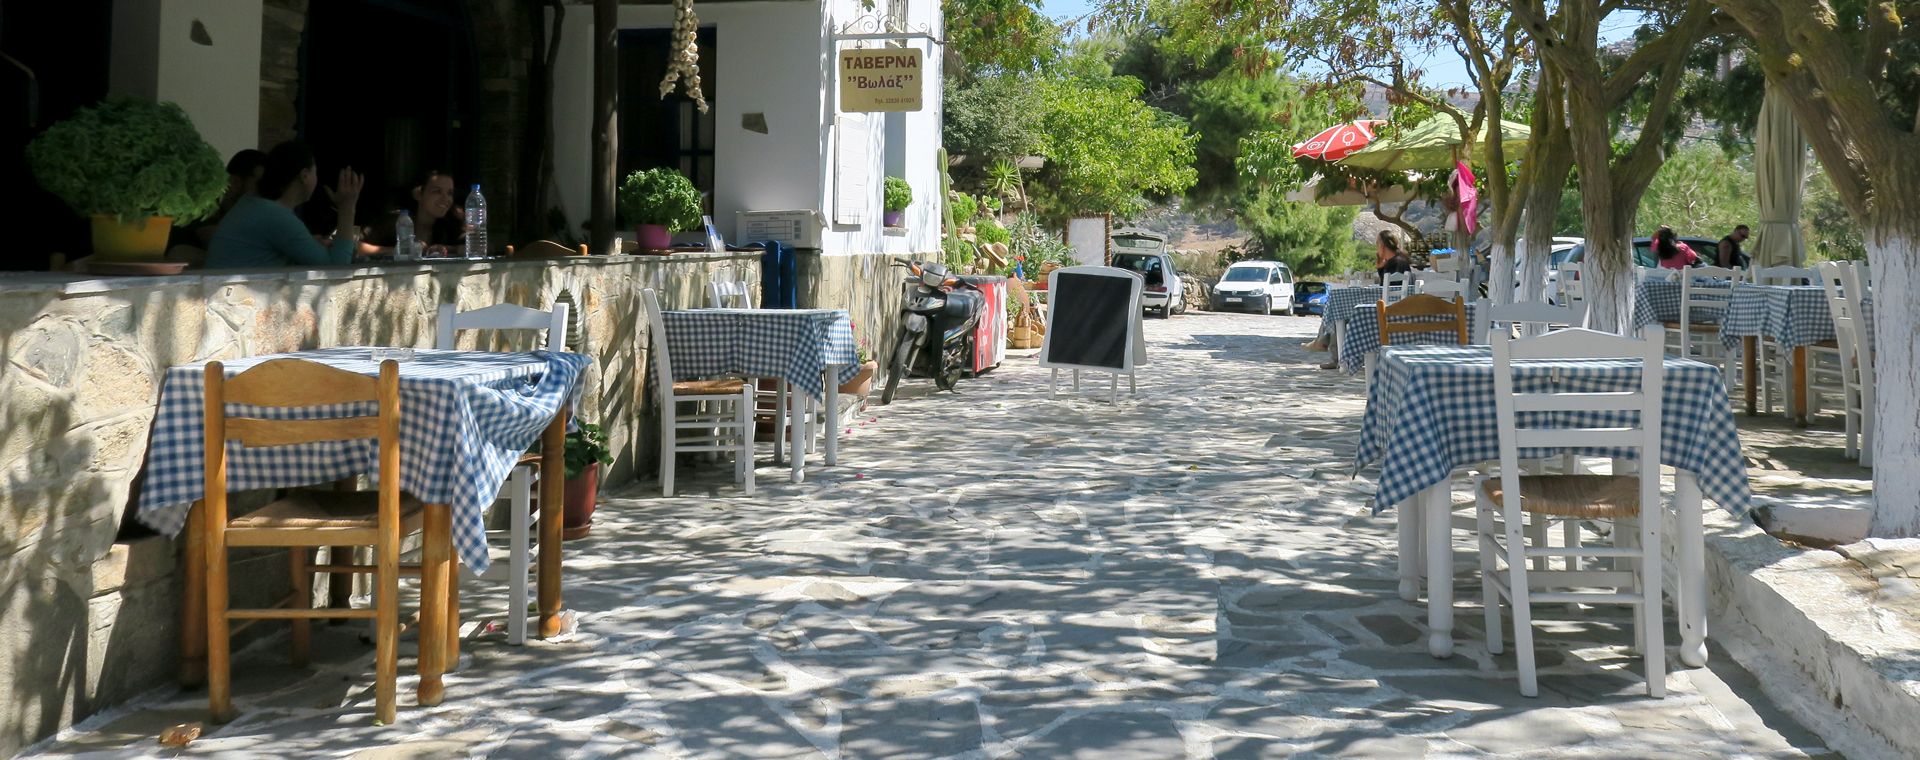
<point>88,599</point>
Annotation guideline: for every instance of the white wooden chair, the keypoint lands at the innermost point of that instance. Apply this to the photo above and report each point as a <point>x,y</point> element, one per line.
<point>1529,318</point>
<point>729,294</point>
<point>1654,274</point>
<point>1825,360</point>
<point>1395,286</point>
<point>1572,289</point>
<point>519,490</point>
<point>1443,288</point>
<point>720,417</point>
<point>1699,338</point>
<point>1623,500</point>
<point>1841,279</point>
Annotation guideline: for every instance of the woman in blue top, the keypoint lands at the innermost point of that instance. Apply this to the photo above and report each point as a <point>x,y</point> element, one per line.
<point>262,230</point>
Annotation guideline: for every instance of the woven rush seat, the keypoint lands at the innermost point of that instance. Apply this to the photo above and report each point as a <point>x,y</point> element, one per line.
<point>1699,327</point>
<point>328,509</point>
<point>721,387</point>
<point>1580,496</point>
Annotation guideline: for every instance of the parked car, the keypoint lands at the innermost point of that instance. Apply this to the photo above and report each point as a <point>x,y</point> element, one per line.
<point>1145,253</point>
<point>1263,286</point>
<point>1309,298</point>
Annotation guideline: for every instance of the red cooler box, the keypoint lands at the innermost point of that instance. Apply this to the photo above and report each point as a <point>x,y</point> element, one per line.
<point>990,334</point>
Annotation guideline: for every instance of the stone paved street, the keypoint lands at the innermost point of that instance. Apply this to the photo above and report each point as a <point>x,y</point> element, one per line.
<point>1191,573</point>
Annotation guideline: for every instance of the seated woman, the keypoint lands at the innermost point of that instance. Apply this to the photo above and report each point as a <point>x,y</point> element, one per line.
<point>1673,253</point>
<point>262,230</point>
<point>441,232</point>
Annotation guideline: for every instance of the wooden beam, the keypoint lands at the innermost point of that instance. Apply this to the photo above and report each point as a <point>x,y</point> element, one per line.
<point>606,115</point>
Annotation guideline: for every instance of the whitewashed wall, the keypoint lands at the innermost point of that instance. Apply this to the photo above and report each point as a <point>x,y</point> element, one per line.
<point>774,58</point>
<point>218,84</point>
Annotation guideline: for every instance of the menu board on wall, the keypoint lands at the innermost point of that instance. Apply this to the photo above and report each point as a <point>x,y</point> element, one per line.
<point>882,79</point>
<point>852,168</point>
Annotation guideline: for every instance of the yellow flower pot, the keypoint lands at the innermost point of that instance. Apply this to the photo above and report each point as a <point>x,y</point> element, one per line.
<point>135,240</point>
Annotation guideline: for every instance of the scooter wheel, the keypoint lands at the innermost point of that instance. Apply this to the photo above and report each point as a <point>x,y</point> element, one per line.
<point>897,369</point>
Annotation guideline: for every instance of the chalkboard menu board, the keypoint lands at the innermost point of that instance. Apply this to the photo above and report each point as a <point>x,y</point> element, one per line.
<point>1093,320</point>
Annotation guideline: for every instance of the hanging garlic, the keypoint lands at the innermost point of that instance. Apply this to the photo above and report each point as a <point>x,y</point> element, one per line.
<point>683,55</point>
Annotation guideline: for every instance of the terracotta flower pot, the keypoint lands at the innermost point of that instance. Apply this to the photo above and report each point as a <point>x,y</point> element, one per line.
<point>653,237</point>
<point>861,384</point>
<point>581,492</point>
<point>136,240</point>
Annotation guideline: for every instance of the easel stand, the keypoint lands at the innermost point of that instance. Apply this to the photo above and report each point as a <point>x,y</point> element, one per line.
<point>1133,384</point>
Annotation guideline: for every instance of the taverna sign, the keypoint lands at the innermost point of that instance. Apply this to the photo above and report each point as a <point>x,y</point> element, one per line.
<point>883,79</point>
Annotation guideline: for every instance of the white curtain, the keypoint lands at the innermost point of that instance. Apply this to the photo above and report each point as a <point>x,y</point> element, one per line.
<point>1779,173</point>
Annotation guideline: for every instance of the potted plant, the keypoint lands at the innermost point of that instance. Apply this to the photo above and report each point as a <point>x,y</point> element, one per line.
<point>659,202</point>
<point>862,384</point>
<point>586,451</point>
<point>134,167</point>
<point>898,196</point>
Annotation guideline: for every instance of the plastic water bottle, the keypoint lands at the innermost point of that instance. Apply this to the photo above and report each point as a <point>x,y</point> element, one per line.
<point>476,210</point>
<point>405,246</point>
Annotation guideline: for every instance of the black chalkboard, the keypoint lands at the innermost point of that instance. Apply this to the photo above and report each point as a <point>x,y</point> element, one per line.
<point>1091,320</point>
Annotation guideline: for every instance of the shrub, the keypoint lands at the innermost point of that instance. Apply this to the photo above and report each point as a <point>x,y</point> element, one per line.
<point>660,196</point>
<point>990,231</point>
<point>898,195</point>
<point>965,208</point>
<point>130,158</point>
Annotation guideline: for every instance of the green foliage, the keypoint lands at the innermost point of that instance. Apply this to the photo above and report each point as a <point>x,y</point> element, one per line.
<point>991,119</point>
<point>1108,152</point>
<point>1003,180</point>
<point>965,208</point>
<point>990,231</point>
<point>897,195</point>
<point>1310,238</point>
<point>1828,229</point>
<point>1700,190</point>
<point>660,196</point>
<point>1032,245</point>
<point>998,37</point>
<point>586,446</point>
<point>130,158</point>
<point>957,254</point>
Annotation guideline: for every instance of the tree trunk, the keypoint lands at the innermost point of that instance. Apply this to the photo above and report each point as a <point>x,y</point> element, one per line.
<point>1896,443</point>
<point>1536,250</point>
<point>606,110</point>
<point>1607,270</point>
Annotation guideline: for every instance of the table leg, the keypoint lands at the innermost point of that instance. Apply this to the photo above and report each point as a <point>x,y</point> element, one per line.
<point>452,654</point>
<point>1437,502</point>
<point>1692,604</point>
<point>1339,335</point>
<point>553,481</point>
<point>779,417</point>
<point>1750,366</point>
<point>1409,512</point>
<point>797,432</point>
<point>193,602</point>
<point>1800,386</point>
<point>435,552</point>
<point>832,417</point>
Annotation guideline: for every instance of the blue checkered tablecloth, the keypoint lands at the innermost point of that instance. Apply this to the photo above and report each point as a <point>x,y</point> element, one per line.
<point>1363,336</point>
<point>1657,302</point>
<point>1430,412</point>
<point>1341,301</point>
<point>1792,315</point>
<point>792,344</point>
<point>467,418</point>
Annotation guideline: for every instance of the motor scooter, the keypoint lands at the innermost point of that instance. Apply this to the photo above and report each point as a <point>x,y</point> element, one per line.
<point>936,328</point>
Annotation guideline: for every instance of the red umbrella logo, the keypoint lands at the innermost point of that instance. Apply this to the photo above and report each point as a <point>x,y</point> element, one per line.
<point>1338,142</point>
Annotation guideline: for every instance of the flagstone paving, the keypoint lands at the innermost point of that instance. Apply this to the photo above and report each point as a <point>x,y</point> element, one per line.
<point>1189,573</point>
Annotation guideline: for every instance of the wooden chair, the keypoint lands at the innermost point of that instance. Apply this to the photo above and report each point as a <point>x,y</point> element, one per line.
<point>721,419</point>
<point>306,520</point>
<point>729,294</point>
<point>1623,500</point>
<point>1705,292</point>
<point>1530,318</point>
<point>551,327</point>
<point>1654,274</point>
<point>1774,368</point>
<point>1843,285</point>
<point>1395,286</point>
<point>1444,288</point>
<point>1412,315</point>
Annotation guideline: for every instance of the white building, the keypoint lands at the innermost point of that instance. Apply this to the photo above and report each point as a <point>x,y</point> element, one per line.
<point>774,138</point>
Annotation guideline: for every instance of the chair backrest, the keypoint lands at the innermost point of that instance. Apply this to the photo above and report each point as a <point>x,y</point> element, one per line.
<point>1782,275</point>
<point>1703,293</point>
<point>1422,279</point>
<point>1572,288</point>
<point>1843,282</point>
<point>1444,288</point>
<point>1395,286</point>
<point>1541,402</point>
<point>1532,318</point>
<point>502,316</point>
<point>286,383</point>
<point>729,294</point>
<point>1649,274</point>
<point>662,361</point>
<point>1411,315</point>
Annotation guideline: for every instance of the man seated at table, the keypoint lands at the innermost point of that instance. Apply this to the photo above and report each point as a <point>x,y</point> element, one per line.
<point>262,229</point>
<point>436,223</point>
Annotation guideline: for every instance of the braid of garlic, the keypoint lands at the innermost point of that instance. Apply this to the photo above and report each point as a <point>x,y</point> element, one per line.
<point>683,56</point>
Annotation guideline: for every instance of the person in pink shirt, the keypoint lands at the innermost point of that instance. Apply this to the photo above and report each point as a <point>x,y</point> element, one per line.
<point>1673,253</point>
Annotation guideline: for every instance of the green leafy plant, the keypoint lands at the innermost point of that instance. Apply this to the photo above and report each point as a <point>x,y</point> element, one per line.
<point>586,446</point>
<point>957,254</point>
<point>130,158</point>
<point>898,195</point>
<point>965,208</point>
<point>1003,180</point>
<point>990,231</point>
<point>660,196</point>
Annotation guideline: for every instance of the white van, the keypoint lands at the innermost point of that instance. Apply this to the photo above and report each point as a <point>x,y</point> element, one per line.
<point>1263,286</point>
<point>1145,253</point>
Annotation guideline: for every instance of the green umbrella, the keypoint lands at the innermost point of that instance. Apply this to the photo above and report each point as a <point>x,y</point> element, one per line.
<point>1431,146</point>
